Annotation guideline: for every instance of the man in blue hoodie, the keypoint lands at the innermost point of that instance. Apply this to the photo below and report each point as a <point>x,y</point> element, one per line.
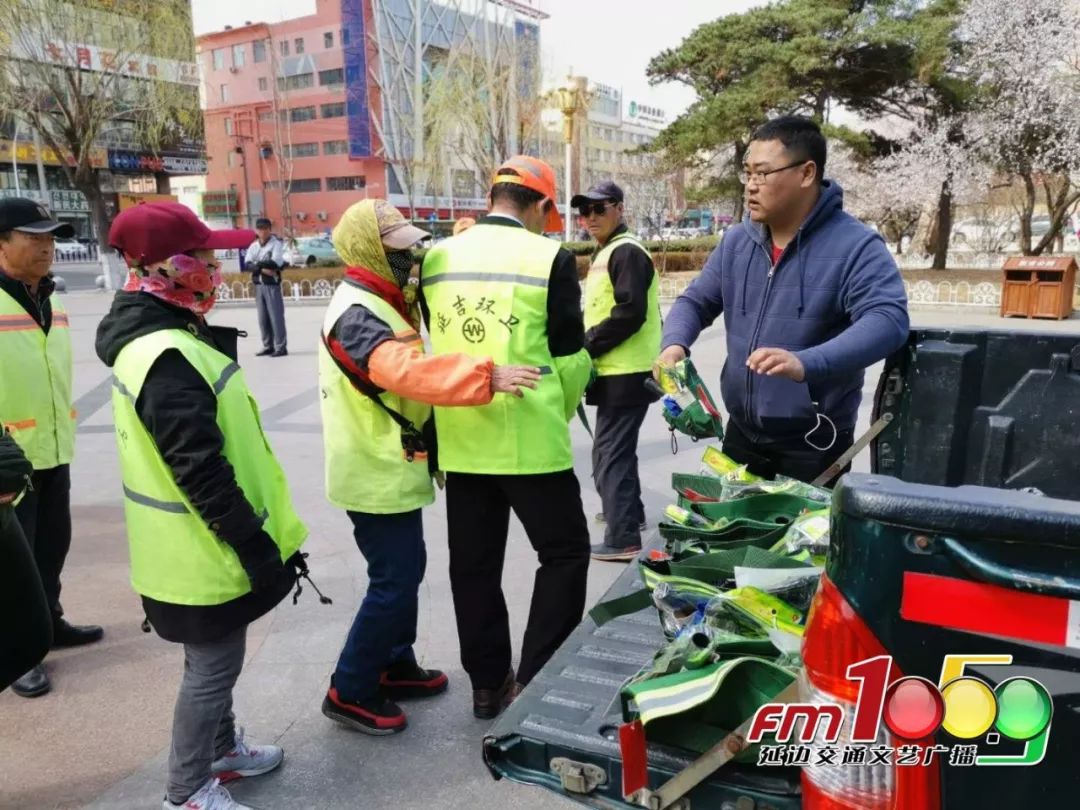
<point>810,296</point>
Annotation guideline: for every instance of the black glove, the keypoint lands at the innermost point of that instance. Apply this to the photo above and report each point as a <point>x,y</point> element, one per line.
<point>15,469</point>
<point>261,559</point>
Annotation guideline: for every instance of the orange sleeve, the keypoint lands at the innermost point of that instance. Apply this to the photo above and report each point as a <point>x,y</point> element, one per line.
<point>445,379</point>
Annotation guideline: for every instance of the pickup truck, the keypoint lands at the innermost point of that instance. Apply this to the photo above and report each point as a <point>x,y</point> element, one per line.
<point>963,541</point>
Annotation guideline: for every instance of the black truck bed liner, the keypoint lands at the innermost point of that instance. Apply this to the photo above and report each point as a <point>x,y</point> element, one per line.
<point>571,710</point>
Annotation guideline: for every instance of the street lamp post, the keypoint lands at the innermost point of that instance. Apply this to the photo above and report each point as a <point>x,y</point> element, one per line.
<point>571,100</point>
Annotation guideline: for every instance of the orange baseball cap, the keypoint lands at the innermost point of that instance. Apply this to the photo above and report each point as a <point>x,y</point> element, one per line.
<point>537,175</point>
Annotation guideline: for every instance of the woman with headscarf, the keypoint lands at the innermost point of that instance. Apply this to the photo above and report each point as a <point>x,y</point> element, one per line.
<point>213,534</point>
<point>377,389</point>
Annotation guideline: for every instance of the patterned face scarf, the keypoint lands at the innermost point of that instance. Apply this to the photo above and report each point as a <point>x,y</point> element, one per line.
<point>183,281</point>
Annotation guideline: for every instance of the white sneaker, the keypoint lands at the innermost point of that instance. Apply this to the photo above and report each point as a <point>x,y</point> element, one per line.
<point>211,796</point>
<point>247,760</point>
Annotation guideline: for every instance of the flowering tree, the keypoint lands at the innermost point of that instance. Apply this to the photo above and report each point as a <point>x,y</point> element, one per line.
<point>1024,56</point>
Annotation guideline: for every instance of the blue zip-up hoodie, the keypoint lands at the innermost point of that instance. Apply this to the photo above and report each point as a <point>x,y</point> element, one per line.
<point>835,299</point>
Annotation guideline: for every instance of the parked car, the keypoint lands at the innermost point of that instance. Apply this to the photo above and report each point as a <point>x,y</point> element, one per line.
<point>962,544</point>
<point>71,250</point>
<point>984,235</point>
<point>310,251</point>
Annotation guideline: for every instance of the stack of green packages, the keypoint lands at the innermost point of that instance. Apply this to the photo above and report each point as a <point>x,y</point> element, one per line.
<point>732,589</point>
<point>726,506</point>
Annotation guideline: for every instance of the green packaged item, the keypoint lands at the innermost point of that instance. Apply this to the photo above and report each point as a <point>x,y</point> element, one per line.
<point>779,509</point>
<point>711,488</point>
<point>688,406</point>
<point>714,462</point>
<point>808,534</point>
<point>696,708</point>
<point>686,517</point>
<point>759,609</point>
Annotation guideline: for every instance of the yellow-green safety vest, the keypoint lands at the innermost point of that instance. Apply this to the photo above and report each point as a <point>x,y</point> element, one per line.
<point>175,556</point>
<point>638,352</point>
<point>35,383</point>
<point>366,467</point>
<point>486,292</point>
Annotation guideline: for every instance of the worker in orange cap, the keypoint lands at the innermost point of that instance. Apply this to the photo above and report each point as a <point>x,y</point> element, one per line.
<point>502,290</point>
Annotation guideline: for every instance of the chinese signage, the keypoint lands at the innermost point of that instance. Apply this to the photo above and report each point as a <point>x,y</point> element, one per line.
<point>125,201</point>
<point>26,152</point>
<point>219,204</point>
<point>604,91</point>
<point>69,202</point>
<point>124,161</point>
<point>108,60</point>
<point>183,165</point>
<point>643,112</point>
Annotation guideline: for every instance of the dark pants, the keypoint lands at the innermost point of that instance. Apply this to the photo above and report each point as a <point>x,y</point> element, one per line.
<point>25,623</point>
<point>204,727</point>
<point>794,458</point>
<point>271,307</point>
<point>384,629</point>
<point>478,512</point>
<point>45,516</point>
<point>615,471</point>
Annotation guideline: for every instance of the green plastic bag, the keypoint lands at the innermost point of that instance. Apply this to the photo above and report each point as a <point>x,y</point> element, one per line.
<point>688,406</point>
<point>695,709</point>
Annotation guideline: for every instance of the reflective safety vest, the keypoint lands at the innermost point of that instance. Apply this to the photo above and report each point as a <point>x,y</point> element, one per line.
<point>638,352</point>
<point>486,292</point>
<point>701,705</point>
<point>175,556</point>
<point>35,383</point>
<point>366,467</point>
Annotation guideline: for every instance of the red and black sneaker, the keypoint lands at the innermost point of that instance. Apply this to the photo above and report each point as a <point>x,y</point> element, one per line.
<point>407,680</point>
<point>376,716</point>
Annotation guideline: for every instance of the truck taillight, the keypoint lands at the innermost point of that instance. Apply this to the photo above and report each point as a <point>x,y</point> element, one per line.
<point>836,637</point>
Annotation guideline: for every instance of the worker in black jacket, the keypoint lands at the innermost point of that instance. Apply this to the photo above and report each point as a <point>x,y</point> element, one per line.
<point>213,534</point>
<point>623,328</point>
<point>25,618</point>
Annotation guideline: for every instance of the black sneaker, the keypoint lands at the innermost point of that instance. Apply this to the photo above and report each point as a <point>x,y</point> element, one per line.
<point>264,353</point>
<point>408,681</point>
<point>606,553</point>
<point>377,716</point>
<point>280,353</point>
<point>599,518</point>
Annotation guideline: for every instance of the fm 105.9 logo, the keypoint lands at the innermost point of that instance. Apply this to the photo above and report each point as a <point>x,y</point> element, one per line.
<point>913,708</point>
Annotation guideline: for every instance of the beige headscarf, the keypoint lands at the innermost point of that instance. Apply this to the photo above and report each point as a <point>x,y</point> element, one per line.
<point>357,241</point>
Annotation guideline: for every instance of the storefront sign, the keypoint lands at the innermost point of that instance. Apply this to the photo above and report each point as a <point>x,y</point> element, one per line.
<point>24,151</point>
<point>108,60</point>
<point>643,112</point>
<point>175,164</point>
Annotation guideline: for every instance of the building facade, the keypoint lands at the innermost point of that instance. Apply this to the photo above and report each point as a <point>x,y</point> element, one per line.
<point>98,41</point>
<point>306,116</point>
<point>608,134</point>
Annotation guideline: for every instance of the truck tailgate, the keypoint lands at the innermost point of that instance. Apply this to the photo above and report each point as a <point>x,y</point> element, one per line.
<point>571,711</point>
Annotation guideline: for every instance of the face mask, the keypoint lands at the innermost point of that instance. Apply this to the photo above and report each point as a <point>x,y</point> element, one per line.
<point>401,263</point>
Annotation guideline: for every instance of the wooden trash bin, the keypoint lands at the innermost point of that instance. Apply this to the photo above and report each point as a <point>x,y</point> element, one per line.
<point>1038,287</point>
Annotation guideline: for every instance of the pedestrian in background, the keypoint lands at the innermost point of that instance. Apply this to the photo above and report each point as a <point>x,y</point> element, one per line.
<point>622,323</point>
<point>501,290</point>
<point>377,389</point>
<point>211,527</point>
<point>265,258</point>
<point>36,404</point>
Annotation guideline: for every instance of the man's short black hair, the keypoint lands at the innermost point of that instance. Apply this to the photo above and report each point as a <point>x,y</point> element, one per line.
<point>800,136</point>
<point>516,195</point>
